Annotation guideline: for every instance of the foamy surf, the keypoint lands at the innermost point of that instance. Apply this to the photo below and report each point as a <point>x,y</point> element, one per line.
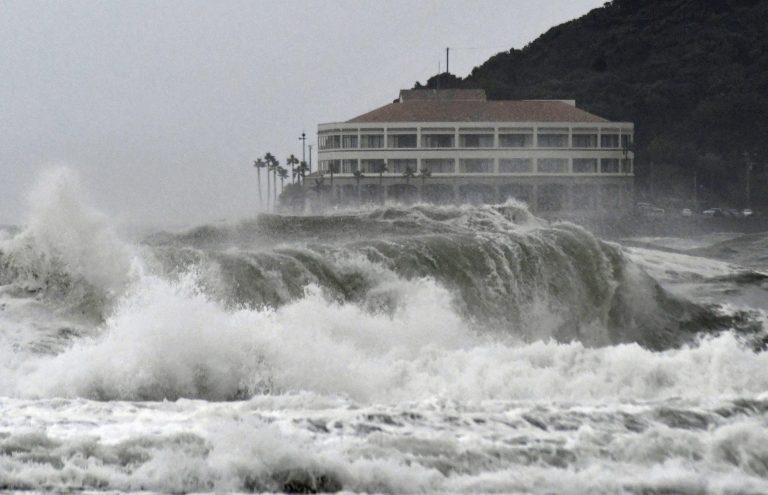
<point>401,350</point>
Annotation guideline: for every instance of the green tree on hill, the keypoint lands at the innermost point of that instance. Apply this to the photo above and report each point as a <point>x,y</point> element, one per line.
<point>691,74</point>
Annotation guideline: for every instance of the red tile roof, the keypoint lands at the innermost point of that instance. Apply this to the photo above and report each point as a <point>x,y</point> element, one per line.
<point>467,110</point>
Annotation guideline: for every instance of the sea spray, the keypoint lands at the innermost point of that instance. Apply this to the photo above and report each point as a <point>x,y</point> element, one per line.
<point>169,341</point>
<point>395,349</point>
<point>63,233</point>
<point>68,253</point>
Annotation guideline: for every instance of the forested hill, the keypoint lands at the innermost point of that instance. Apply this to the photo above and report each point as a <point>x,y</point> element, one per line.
<point>691,74</point>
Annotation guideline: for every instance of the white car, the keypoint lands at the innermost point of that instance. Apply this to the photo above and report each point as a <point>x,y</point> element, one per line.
<point>747,212</point>
<point>713,212</point>
<point>686,212</point>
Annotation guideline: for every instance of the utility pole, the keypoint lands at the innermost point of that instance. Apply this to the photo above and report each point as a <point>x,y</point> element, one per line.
<point>447,66</point>
<point>310,158</point>
<point>303,139</point>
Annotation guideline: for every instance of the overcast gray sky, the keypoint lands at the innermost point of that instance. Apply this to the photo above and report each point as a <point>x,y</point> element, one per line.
<point>161,106</point>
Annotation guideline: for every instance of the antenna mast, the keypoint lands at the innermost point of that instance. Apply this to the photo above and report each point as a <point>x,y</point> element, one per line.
<point>447,55</point>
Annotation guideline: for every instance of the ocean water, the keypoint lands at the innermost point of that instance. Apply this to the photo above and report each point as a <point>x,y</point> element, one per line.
<point>389,350</point>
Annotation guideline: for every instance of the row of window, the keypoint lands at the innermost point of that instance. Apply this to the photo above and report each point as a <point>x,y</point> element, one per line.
<point>521,139</point>
<point>481,166</point>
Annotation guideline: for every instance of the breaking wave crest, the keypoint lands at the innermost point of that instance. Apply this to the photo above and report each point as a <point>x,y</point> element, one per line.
<point>473,302</point>
<point>172,341</point>
<point>67,253</point>
<point>391,350</point>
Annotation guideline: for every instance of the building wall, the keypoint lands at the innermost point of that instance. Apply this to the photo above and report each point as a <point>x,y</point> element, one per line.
<point>544,195</point>
<point>584,162</point>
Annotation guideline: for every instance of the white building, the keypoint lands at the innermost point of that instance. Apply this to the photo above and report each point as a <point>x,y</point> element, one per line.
<point>548,153</point>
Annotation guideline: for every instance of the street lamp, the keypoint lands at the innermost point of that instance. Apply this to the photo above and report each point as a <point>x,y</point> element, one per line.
<point>303,139</point>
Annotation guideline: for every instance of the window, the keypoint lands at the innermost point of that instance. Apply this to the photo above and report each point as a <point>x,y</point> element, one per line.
<point>402,140</point>
<point>516,140</point>
<point>585,140</point>
<point>609,141</point>
<point>372,141</point>
<point>626,166</point>
<point>553,165</point>
<point>329,141</point>
<point>515,165</point>
<point>626,141</point>
<point>439,165</point>
<point>476,165</point>
<point>584,197</point>
<point>553,138</point>
<point>349,141</point>
<point>551,197</point>
<point>348,166</point>
<point>399,166</point>
<point>476,140</point>
<point>371,166</point>
<point>585,165</point>
<point>609,165</point>
<point>326,166</point>
<point>437,140</point>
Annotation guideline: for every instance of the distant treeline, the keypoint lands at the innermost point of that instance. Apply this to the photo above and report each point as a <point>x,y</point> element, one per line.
<point>691,74</point>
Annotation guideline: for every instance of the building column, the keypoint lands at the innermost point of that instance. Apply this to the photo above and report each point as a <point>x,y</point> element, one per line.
<point>418,138</point>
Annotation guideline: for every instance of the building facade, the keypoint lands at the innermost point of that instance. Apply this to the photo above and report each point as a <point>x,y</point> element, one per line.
<point>547,153</point>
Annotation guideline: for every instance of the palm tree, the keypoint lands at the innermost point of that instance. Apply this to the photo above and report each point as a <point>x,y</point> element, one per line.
<point>259,164</point>
<point>275,166</point>
<point>292,161</point>
<point>283,174</point>
<point>358,177</point>
<point>409,174</point>
<point>303,168</point>
<point>268,158</point>
<point>318,187</point>
<point>333,167</point>
<point>381,169</point>
<point>424,174</point>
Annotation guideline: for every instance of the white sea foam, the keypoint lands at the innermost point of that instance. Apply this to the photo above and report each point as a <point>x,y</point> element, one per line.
<point>169,340</point>
<point>296,442</point>
<point>394,390</point>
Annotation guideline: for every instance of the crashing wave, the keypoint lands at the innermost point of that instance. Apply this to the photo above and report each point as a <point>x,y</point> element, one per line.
<point>399,295</point>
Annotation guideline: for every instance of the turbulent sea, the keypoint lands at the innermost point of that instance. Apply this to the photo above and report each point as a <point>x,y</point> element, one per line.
<point>400,349</point>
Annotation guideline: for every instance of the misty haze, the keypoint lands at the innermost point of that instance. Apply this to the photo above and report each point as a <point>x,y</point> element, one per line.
<point>384,247</point>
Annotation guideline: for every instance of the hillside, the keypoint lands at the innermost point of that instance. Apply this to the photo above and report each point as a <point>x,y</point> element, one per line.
<point>691,74</point>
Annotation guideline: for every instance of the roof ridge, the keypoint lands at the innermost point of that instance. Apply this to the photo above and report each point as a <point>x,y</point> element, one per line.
<point>460,110</point>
